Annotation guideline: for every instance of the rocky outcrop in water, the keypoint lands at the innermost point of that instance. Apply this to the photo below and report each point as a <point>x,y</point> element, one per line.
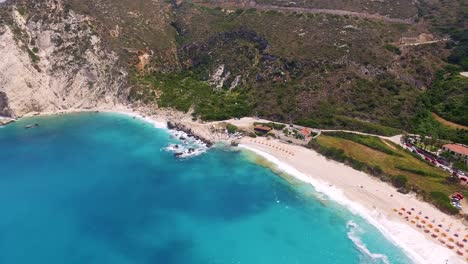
<point>184,128</point>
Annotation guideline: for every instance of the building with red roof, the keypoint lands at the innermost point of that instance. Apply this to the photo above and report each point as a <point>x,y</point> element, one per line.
<point>459,151</point>
<point>306,132</point>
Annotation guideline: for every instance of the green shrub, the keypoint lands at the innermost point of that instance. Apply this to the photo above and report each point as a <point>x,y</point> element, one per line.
<point>442,201</point>
<point>231,128</point>
<point>419,172</point>
<point>393,49</point>
<point>399,181</point>
<point>271,125</point>
<point>33,56</point>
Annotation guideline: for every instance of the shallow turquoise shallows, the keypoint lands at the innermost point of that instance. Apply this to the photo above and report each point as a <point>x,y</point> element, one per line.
<point>100,188</point>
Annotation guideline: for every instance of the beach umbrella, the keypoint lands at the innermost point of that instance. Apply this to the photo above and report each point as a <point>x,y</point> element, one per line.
<point>434,235</point>
<point>417,217</point>
<point>444,234</point>
<point>464,240</point>
<point>450,246</point>
<point>423,221</point>
<point>403,209</point>
<point>451,239</point>
<point>436,230</point>
<point>427,217</point>
<point>442,241</point>
<point>456,235</point>
<point>439,225</point>
<point>412,209</point>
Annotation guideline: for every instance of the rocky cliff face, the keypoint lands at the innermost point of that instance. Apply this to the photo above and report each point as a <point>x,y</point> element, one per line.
<point>52,59</point>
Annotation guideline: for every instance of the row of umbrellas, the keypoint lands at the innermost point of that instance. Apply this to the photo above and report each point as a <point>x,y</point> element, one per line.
<point>436,231</point>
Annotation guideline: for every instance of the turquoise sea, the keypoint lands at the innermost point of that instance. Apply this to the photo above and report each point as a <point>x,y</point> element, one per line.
<point>101,188</point>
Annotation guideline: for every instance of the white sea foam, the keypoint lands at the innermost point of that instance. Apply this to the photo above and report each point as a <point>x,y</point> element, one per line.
<point>416,246</point>
<point>189,146</point>
<point>367,256</point>
<point>155,123</point>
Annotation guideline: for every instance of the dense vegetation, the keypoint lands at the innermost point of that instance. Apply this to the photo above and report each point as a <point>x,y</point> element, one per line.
<point>402,170</point>
<point>184,93</point>
<point>319,75</point>
<point>271,125</point>
<point>448,96</point>
<point>343,122</point>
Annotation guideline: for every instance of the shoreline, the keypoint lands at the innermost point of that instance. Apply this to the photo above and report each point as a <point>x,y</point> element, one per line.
<point>373,202</point>
<point>360,193</point>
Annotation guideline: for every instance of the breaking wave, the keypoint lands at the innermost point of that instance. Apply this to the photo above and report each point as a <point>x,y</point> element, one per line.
<point>367,257</point>
<point>189,146</point>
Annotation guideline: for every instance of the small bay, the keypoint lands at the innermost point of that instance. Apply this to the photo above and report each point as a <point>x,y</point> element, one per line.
<point>101,188</point>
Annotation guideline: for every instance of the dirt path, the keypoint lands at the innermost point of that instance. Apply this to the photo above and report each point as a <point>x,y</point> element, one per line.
<point>448,123</point>
<point>424,42</point>
<point>395,139</point>
<point>333,12</point>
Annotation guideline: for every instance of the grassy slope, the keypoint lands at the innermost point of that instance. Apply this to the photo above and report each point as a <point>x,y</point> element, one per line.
<point>421,176</point>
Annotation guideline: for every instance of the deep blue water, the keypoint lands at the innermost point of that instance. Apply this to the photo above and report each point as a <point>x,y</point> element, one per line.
<point>99,188</point>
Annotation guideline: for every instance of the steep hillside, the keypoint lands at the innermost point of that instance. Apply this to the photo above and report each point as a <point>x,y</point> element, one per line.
<point>326,63</point>
<point>302,66</point>
<point>52,58</point>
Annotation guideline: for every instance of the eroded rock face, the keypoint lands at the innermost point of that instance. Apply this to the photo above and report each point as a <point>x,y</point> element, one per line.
<point>53,60</point>
<point>4,109</point>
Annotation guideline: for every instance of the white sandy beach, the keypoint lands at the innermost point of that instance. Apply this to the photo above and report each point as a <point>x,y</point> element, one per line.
<point>375,200</point>
<point>361,193</point>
